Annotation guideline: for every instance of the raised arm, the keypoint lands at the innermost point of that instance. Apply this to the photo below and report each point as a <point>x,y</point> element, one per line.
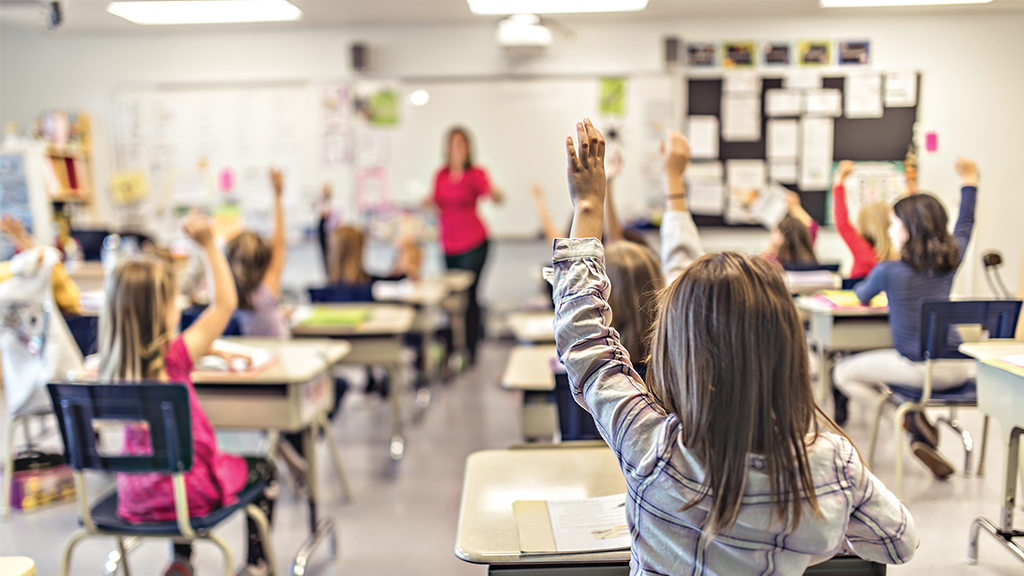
<point>586,181</point>
<point>796,209</point>
<point>841,214</point>
<point>272,278</point>
<point>547,224</point>
<point>680,240</point>
<point>613,227</point>
<point>968,171</point>
<point>211,323</point>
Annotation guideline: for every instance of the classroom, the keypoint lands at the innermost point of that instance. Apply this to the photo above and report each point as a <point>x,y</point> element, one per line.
<point>511,287</point>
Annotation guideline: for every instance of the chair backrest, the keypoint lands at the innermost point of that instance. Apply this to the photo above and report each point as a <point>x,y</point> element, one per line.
<point>849,283</point>
<point>939,318</point>
<point>342,293</point>
<point>574,422</point>
<point>165,407</point>
<point>809,267</point>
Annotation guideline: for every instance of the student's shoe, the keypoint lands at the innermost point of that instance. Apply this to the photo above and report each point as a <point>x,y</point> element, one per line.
<point>931,457</point>
<point>179,567</point>
<point>921,429</point>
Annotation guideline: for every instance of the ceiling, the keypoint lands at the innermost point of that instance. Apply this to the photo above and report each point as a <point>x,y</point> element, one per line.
<point>91,15</point>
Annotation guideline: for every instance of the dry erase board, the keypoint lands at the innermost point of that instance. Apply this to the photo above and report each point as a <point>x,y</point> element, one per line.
<point>861,139</point>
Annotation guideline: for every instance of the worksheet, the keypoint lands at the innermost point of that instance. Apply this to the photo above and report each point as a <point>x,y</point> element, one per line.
<point>703,136</point>
<point>863,95</point>
<point>741,117</point>
<point>816,153</point>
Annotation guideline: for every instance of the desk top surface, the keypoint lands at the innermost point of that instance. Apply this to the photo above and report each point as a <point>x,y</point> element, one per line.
<point>529,368</point>
<point>297,361</point>
<point>495,479</point>
<point>384,320</point>
<point>816,307</point>
<point>532,326</point>
<point>991,351</point>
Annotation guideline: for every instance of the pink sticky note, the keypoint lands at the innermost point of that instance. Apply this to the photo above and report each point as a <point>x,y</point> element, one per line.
<point>226,180</point>
<point>931,141</point>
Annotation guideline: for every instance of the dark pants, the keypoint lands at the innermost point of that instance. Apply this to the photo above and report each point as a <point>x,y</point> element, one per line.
<point>474,262</point>
<point>322,237</point>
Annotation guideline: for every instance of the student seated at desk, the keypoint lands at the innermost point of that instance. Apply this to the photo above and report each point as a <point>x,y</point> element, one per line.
<point>929,259</point>
<point>730,466</point>
<point>869,242</point>
<point>137,342</point>
<point>257,266</point>
<point>792,241</point>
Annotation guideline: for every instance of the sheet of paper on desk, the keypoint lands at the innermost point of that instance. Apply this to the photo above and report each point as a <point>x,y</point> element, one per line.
<point>703,136</point>
<point>1015,359</point>
<point>589,524</point>
<point>848,299</point>
<point>863,95</point>
<point>248,358</point>
<point>328,316</point>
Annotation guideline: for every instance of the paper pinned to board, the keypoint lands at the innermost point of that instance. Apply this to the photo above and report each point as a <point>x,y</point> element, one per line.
<point>741,83</point>
<point>900,89</point>
<point>783,139</point>
<point>827,102</point>
<point>781,102</point>
<point>746,180</point>
<point>802,80</point>
<point>741,117</point>
<point>705,191</point>
<point>816,136</point>
<point>783,170</point>
<point>703,136</point>
<point>863,94</point>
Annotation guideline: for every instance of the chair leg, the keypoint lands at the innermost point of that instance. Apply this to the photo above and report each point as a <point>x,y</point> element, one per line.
<point>263,525</point>
<point>69,547</point>
<point>965,437</point>
<point>229,563</point>
<point>124,556</point>
<point>901,411</point>
<point>984,445</point>
<point>335,451</point>
<point>874,429</point>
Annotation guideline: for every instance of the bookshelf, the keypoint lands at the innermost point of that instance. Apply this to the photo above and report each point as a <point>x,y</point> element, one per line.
<point>69,156</point>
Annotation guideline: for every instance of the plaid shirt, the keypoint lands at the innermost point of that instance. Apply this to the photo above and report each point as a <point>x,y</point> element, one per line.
<point>857,512</point>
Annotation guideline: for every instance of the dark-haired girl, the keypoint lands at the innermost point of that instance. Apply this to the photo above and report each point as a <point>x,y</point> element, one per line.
<point>929,258</point>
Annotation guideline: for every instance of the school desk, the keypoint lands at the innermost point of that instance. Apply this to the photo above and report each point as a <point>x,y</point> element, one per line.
<point>532,327</point>
<point>494,479</point>
<point>528,368</point>
<point>1001,396</point>
<point>842,330</point>
<point>17,566</point>
<point>376,340</point>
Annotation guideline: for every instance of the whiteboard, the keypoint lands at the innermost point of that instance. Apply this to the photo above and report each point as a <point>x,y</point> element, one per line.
<point>518,127</point>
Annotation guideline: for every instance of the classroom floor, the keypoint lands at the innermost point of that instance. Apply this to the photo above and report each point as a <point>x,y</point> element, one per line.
<point>402,520</point>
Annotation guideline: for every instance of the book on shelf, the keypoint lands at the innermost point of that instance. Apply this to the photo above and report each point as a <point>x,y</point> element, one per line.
<point>572,526</point>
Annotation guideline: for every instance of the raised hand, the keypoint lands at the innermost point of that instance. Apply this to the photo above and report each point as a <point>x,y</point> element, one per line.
<point>844,171</point>
<point>277,181</point>
<point>613,165</point>
<point>968,171</point>
<point>586,168</point>
<point>675,153</point>
<point>197,227</point>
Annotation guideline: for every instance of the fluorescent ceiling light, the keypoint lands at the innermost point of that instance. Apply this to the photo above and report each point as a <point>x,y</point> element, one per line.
<point>205,11</point>
<point>554,6</point>
<point>878,3</point>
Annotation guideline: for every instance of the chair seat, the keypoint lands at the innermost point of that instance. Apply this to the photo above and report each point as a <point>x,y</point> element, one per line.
<point>965,395</point>
<point>104,515</point>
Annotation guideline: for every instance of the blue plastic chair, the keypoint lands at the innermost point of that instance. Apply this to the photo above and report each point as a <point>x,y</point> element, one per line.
<point>342,293</point>
<point>574,422</point>
<point>940,339</point>
<point>165,408</point>
<point>190,314</point>
<point>810,267</point>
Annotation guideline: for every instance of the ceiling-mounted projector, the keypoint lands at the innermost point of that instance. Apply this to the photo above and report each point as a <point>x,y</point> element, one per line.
<point>523,31</point>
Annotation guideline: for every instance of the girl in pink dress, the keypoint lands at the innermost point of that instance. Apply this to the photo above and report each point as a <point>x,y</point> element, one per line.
<point>137,341</point>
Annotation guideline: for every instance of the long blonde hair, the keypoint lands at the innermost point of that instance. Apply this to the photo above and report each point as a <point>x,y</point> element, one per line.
<point>134,331</point>
<point>636,280</point>
<point>249,256</point>
<point>345,264</point>
<point>729,359</point>
<point>873,223</point>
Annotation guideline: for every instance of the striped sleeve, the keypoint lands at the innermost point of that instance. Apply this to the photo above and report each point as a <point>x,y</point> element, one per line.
<point>880,529</point>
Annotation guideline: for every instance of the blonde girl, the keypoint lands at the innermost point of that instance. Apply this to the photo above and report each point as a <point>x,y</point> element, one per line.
<point>730,467</point>
<point>138,340</point>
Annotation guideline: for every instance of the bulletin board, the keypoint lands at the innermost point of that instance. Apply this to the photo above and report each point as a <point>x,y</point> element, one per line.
<point>859,139</point>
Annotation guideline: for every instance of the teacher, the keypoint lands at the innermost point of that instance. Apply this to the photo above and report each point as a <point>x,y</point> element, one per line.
<point>457,188</point>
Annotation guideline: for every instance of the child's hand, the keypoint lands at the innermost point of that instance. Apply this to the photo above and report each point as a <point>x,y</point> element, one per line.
<point>675,153</point>
<point>793,200</point>
<point>586,169</point>
<point>968,171</point>
<point>197,227</point>
<point>844,171</point>
<point>277,181</point>
<point>15,230</point>
<point>613,165</point>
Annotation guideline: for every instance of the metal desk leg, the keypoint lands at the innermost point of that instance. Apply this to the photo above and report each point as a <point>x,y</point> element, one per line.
<point>397,445</point>
<point>1005,533</point>
<point>319,530</point>
<point>339,468</point>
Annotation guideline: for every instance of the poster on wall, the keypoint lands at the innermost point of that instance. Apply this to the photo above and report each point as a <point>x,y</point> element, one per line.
<point>700,54</point>
<point>854,52</point>
<point>739,54</point>
<point>776,54</point>
<point>336,130</point>
<point>13,197</point>
<point>814,53</point>
<point>872,182</point>
<point>612,97</point>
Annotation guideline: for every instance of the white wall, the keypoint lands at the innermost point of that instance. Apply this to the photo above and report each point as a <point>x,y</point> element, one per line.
<point>972,81</point>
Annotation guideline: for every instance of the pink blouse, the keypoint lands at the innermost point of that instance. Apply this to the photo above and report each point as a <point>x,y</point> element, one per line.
<point>213,481</point>
<point>461,227</point>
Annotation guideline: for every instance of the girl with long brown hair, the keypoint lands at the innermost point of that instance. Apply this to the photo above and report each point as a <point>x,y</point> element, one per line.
<point>731,468</point>
<point>929,256</point>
